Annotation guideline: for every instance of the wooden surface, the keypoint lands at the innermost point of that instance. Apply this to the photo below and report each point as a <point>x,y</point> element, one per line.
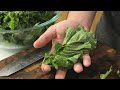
<point>96,20</point>
<point>34,71</point>
<point>31,72</point>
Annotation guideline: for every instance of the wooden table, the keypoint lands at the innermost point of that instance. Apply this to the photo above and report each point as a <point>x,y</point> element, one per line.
<point>99,65</point>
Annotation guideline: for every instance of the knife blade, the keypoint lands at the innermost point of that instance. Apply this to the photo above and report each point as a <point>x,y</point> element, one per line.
<point>23,61</point>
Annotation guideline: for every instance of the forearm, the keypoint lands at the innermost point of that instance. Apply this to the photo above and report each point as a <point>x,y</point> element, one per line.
<point>84,18</point>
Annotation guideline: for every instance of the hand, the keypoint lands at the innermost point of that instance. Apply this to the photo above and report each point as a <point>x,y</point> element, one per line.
<point>56,33</point>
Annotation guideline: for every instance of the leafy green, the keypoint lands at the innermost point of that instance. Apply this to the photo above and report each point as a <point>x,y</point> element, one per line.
<point>104,76</point>
<point>75,43</point>
<point>19,20</point>
<point>11,20</point>
<point>118,73</point>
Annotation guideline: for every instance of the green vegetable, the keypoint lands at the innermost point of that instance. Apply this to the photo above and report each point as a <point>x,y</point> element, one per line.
<point>19,20</point>
<point>118,73</point>
<point>10,20</point>
<point>104,76</point>
<point>76,42</point>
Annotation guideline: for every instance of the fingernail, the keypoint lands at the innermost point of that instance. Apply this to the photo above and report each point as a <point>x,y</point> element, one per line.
<point>59,77</point>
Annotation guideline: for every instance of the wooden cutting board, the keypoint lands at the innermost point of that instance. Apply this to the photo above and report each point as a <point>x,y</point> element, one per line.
<point>102,58</point>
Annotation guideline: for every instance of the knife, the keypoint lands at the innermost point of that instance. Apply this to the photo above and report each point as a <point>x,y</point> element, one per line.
<point>24,61</point>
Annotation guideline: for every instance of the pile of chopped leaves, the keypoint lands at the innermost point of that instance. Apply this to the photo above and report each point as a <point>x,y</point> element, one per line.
<point>19,20</point>
<point>11,20</point>
<point>76,42</point>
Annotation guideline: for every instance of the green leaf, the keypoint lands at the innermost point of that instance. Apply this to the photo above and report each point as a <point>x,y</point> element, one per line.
<point>80,36</point>
<point>76,41</point>
<point>19,20</point>
<point>57,47</point>
<point>78,46</point>
<point>11,25</point>
<point>104,76</point>
<point>69,33</point>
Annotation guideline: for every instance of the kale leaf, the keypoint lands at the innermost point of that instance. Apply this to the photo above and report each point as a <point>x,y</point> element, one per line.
<point>76,42</point>
<point>11,20</point>
<point>105,75</point>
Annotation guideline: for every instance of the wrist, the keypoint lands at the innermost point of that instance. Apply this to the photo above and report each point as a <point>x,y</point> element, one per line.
<point>84,18</point>
<point>87,25</point>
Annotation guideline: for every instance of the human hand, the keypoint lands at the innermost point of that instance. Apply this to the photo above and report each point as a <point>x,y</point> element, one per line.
<point>56,33</point>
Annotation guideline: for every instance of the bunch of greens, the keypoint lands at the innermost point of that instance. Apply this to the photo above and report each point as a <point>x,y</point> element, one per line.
<point>11,20</point>
<point>19,20</point>
<point>76,42</point>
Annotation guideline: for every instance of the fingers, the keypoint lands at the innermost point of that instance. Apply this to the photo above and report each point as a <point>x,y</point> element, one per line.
<point>45,37</point>
<point>60,74</point>
<point>86,60</point>
<point>45,68</point>
<point>78,67</point>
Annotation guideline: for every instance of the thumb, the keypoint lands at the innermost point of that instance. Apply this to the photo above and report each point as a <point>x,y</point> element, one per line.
<point>46,37</point>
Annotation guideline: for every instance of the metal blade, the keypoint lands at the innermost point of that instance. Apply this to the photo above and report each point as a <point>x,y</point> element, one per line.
<point>23,62</point>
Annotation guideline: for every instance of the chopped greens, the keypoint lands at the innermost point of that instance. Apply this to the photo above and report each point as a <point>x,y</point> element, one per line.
<point>76,42</point>
<point>19,20</point>
<point>118,73</point>
<point>11,20</point>
<point>104,76</point>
